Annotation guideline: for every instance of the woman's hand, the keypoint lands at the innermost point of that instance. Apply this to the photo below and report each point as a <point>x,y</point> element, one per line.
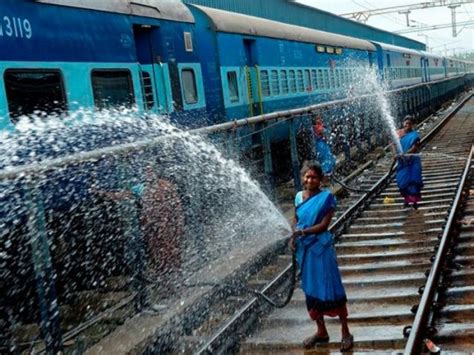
<point>297,233</point>
<point>294,236</point>
<point>292,244</point>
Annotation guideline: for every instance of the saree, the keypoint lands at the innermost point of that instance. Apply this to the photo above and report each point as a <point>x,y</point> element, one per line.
<point>316,257</point>
<point>409,171</point>
<point>324,156</point>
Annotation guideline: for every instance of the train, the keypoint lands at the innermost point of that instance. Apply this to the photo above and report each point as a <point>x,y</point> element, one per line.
<point>201,66</point>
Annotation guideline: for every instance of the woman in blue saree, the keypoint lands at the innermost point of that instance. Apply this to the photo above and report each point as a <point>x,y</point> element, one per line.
<point>409,172</point>
<point>324,155</point>
<point>316,256</point>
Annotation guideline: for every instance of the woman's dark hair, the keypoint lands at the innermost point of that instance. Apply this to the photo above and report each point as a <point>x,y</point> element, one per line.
<point>408,118</point>
<point>309,165</point>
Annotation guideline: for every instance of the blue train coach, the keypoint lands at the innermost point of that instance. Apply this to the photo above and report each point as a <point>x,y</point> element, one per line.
<point>199,65</point>
<point>61,55</point>
<point>254,66</point>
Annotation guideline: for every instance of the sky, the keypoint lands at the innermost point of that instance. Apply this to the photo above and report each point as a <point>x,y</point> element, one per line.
<point>439,41</point>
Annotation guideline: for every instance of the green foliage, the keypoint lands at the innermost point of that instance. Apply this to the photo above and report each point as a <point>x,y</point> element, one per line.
<point>465,56</point>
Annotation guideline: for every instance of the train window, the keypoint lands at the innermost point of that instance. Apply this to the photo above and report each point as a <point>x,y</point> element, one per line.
<point>188,42</point>
<point>330,50</point>
<point>284,82</point>
<point>326,79</point>
<point>321,79</point>
<point>314,79</point>
<point>275,82</point>
<point>233,86</point>
<point>332,79</point>
<point>307,79</point>
<point>189,86</point>
<point>320,49</point>
<point>337,78</point>
<point>147,87</point>
<point>265,83</point>
<point>348,76</point>
<point>338,50</point>
<point>34,90</point>
<point>112,88</point>
<point>300,81</point>
<point>292,81</point>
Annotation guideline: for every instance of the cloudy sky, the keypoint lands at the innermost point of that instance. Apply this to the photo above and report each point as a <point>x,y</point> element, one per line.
<point>440,41</point>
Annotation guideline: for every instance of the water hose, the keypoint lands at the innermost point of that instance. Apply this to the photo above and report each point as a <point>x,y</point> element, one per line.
<point>346,187</point>
<point>260,294</point>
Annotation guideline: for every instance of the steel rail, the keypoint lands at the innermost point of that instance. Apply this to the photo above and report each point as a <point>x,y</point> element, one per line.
<point>9,173</point>
<point>416,336</point>
<point>448,115</point>
<point>91,322</point>
<point>229,330</point>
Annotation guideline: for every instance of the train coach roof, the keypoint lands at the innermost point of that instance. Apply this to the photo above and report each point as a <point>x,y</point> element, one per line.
<point>391,47</point>
<point>225,21</point>
<point>173,10</point>
<point>431,55</point>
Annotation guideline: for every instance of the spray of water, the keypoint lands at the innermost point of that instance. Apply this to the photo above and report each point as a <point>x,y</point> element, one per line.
<point>170,211</point>
<point>368,82</point>
<point>355,124</point>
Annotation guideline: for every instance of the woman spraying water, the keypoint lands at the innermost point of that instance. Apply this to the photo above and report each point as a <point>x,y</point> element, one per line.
<point>409,171</point>
<point>316,256</point>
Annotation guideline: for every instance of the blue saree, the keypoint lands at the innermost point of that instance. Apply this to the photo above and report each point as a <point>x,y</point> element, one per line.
<point>324,156</point>
<point>409,172</point>
<point>316,256</point>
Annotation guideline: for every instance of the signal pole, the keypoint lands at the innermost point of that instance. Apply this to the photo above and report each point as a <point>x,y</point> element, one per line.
<point>453,17</point>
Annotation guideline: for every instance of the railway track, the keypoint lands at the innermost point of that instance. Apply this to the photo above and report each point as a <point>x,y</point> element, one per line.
<point>385,254</point>
<point>371,167</point>
<point>236,312</point>
<point>455,321</point>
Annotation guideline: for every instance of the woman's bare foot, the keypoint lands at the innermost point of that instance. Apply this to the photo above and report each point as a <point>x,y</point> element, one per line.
<point>347,343</point>
<point>311,341</point>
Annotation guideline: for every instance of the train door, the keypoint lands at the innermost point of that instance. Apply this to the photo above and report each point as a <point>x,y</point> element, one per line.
<point>389,74</point>
<point>371,59</point>
<point>252,75</point>
<point>424,64</point>
<point>154,75</point>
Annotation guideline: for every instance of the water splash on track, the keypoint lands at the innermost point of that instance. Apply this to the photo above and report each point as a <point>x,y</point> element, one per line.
<point>164,211</point>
